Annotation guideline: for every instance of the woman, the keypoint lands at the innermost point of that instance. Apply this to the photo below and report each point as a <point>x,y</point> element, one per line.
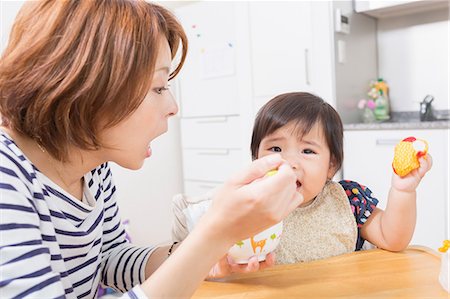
<point>83,83</point>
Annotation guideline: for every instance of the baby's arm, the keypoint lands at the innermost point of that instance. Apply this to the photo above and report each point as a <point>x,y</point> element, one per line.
<point>393,228</point>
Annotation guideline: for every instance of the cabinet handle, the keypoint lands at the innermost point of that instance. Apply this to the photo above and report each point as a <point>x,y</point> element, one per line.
<point>387,141</point>
<point>204,186</point>
<point>307,67</point>
<point>217,152</point>
<point>213,120</point>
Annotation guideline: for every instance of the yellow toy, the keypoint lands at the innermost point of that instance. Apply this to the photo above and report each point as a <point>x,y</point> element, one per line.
<point>406,158</point>
<point>272,172</point>
<point>445,246</point>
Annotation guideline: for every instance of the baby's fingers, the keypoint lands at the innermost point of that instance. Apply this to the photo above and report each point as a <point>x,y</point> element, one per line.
<point>425,164</point>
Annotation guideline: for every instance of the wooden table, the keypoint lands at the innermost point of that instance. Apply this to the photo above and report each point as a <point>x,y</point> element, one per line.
<point>376,273</point>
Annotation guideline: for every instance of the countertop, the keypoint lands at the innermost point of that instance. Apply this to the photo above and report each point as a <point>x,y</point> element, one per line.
<point>402,121</point>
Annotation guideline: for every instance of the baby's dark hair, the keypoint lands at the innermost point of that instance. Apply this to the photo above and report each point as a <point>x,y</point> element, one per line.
<point>305,110</point>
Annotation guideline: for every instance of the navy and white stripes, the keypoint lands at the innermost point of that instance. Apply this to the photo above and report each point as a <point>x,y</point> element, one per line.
<point>53,245</point>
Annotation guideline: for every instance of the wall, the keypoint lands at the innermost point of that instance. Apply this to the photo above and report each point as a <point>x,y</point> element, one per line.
<point>360,65</point>
<point>413,53</point>
<point>8,11</point>
<point>145,195</point>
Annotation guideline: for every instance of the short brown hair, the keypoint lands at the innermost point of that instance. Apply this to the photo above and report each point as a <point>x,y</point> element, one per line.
<point>305,110</point>
<point>72,65</point>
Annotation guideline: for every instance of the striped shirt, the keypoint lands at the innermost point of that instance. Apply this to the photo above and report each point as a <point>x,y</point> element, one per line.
<point>55,246</point>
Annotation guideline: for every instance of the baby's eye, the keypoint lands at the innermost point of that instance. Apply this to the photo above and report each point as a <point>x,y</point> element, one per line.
<point>308,151</point>
<point>159,90</point>
<point>275,149</point>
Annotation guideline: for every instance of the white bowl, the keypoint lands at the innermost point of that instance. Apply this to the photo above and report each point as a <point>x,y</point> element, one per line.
<point>260,245</point>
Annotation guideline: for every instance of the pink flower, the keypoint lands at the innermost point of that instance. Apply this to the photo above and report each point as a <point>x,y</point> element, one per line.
<point>362,103</point>
<point>371,104</point>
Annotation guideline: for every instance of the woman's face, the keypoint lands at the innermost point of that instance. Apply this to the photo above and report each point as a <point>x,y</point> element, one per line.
<point>128,143</point>
<point>309,157</point>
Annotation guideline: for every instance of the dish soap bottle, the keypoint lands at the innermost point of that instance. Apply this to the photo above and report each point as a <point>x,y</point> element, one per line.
<point>381,106</point>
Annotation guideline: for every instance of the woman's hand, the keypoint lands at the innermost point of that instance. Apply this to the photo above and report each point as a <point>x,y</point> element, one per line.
<point>410,182</point>
<point>226,266</point>
<point>248,203</point>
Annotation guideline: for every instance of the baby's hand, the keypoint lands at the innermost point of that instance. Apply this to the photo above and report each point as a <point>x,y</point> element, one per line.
<point>410,182</point>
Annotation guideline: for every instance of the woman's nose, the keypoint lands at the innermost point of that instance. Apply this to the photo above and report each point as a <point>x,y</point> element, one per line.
<point>173,109</point>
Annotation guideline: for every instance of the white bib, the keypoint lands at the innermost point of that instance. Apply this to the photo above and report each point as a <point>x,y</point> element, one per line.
<point>325,228</point>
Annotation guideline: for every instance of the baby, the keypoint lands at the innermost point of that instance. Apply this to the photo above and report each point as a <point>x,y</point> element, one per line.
<point>335,217</point>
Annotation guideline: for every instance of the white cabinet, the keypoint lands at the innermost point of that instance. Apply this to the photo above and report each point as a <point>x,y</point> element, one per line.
<point>209,84</point>
<point>385,9</point>
<point>210,132</point>
<point>274,57</point>
<point>368,158</point>
<point>241,54</point>
<point>210,93</point>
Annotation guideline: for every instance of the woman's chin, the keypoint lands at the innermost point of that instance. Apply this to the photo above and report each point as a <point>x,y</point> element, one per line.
<point>131,165</point>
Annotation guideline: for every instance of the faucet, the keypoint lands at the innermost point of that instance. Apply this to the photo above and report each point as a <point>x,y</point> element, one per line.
<point>426,110</point>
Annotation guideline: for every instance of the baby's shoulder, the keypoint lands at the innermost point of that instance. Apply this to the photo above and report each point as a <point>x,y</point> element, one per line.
<point>351,187</point>
<point>358,193</point>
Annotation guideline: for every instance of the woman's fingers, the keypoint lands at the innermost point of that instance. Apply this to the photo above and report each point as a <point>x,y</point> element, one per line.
<point>257,169</point>
<point>254,265</point>
<point>250,202</point>
<point>226,266</point>
<point>277,192</point>
<point>221,269</point>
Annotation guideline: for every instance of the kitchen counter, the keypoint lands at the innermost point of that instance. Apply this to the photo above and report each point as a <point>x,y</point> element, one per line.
<point>401,121</point>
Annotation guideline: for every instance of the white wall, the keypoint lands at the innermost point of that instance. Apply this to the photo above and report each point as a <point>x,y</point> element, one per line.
<point>8,12</point>
<point>145,195</point>
<point>413,55</point>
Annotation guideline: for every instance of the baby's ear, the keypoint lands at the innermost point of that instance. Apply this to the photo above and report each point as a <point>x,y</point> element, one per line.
<point>331,169</point>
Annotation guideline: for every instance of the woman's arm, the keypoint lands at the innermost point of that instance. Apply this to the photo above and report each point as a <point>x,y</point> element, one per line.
<point>157,258</point>
<point>222,268</point>
<point>393,228</point>
<point>261,203</point>
<point>25,258</point>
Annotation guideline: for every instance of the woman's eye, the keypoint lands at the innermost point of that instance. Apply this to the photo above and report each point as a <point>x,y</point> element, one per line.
<point>275,149</point>
<point>308,151</point>
<point>160,90</point>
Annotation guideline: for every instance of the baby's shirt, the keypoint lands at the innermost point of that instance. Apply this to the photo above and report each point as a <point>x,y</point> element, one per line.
<point>362,204</point>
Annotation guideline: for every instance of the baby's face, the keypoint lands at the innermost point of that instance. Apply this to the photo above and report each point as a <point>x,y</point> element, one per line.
<point>309,157</point>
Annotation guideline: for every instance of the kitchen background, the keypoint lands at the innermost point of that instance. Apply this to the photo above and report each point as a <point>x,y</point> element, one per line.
<point>243,53</point>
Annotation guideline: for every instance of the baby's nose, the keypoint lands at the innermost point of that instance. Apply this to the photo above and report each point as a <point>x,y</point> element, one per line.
<point>294,164</point>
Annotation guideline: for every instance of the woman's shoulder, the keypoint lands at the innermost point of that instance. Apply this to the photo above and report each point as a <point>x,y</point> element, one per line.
<point>14,164</point>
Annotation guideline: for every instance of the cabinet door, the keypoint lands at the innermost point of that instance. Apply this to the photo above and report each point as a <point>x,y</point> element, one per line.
<point>208,81</point>
<point>214,165</point>
<point>368,159</point>
<point>211,132</point>
<point>387,9</point>
<point>280,64</point>
<point>198,188</point>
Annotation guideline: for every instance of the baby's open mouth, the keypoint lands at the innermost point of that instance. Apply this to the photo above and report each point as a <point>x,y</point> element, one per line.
<point>298,184</point>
